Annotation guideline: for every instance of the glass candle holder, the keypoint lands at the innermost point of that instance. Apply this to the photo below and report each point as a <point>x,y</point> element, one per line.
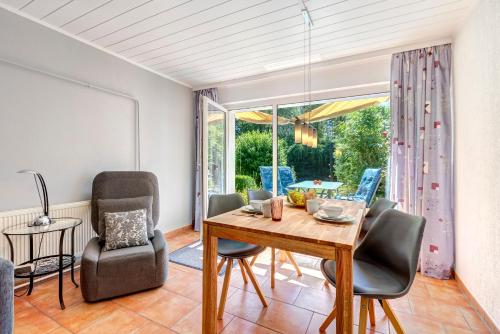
<point>276,208</point>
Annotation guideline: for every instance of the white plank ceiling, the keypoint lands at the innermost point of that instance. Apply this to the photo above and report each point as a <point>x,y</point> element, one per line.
<point>199,42</point>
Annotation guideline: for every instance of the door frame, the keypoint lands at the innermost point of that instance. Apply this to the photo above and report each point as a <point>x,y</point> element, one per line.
<point>229,149</point>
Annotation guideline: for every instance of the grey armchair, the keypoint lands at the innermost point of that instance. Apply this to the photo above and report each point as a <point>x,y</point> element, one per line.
<point>125,270</point>
<point>6,296</point>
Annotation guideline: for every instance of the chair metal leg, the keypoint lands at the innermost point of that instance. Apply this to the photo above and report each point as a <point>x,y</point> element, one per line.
<point>242,269</point>
<point>273,266</point>
<point>254,282</point>
<point>292,261</point>
<point>371,312</point>
<point>392,317</point>
<point>221,264</point>
<point>225,287</point>
<point>328,320</point>
<point>363,313</point>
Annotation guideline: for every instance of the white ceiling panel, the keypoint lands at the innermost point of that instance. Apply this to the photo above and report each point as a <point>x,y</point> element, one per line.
<point>73,11</point>
<point>327,50</point>
<point>109,12</point>
<point>186,13</point>
<point>345,24</point>
<point>250,18</point>
<point>265,23</point>
<point>41,9</point>
<point>130,18</point>
<point>199,42</point>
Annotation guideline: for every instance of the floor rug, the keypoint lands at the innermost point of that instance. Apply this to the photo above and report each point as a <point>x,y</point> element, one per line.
<point>192,256</point>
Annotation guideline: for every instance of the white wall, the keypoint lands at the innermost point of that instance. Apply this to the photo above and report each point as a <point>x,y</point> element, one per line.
<point>166,119</point>
<point>342,78</point>
<point>477,150</point>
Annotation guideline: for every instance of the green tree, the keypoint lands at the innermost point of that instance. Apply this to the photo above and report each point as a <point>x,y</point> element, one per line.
<point>255,149</point>
<point>361,142</point>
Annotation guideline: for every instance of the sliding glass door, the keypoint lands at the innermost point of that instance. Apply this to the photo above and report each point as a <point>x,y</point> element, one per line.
<point>350,134</point>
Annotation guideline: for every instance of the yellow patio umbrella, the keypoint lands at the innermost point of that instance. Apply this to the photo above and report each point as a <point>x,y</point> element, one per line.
<point>255,117</point>
<point>259,117</point>
<point>339,108</point>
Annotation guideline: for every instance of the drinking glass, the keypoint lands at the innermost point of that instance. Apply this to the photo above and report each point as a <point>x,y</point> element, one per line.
<point>276,208</point>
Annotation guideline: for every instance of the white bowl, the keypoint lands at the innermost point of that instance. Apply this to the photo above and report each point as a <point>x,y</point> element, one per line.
<point>332,211</point>
<point>256,204</point>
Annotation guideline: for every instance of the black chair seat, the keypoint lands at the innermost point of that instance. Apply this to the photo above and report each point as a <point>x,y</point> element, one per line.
<point>370,280</point>
<point>236,249</point>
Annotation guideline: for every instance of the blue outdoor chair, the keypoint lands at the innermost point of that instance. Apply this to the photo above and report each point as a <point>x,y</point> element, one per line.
<point>285,178</point>
<point>367,187</point>
<point>266,178</point>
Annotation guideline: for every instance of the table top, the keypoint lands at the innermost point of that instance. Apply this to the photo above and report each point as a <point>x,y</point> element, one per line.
<point>58,224</point>
<point>328,185</point>
<point>296,224</point>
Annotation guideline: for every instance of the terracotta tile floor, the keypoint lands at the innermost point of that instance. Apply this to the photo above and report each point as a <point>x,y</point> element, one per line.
<point>296,305</point>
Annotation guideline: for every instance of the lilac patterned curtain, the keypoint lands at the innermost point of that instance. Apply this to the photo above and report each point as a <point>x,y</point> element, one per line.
<point>421,158</point>
<point>212,94</point>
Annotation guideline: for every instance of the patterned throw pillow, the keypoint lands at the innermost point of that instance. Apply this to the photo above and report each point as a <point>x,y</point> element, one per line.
<point>122,205</point>
<point>125,229</point>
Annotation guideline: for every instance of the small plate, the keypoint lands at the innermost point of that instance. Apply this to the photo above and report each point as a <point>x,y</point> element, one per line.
<point>249,209</point>
<point>347,219</point>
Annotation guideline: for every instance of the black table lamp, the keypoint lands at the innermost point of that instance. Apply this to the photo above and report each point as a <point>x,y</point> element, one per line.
<point>44,219</point>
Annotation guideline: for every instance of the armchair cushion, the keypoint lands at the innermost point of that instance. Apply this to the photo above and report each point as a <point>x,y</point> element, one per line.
<point>125,229</point>
<point>122,205</point>
<point>126,263</point>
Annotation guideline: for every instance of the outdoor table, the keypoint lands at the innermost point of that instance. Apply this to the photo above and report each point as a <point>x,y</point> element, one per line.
<point>327,186</point>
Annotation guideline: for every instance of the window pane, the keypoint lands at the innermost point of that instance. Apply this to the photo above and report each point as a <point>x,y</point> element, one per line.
<point>352,135</point>
<point>216,150</point>
<point>254,149</point>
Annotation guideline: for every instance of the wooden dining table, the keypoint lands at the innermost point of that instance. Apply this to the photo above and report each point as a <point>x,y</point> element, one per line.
<point>297,232</point>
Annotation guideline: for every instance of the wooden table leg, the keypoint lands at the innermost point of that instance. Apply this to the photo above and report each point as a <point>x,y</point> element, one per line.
<point>273,266</point>
<point>209,281</point>
<point>344,291</point>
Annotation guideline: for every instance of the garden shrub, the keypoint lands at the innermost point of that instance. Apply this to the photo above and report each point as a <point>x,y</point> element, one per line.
<point>255,149</point>
<point>244,182</point>
<point>362,142</point>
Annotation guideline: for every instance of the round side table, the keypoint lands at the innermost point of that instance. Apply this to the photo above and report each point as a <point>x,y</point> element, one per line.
<point>50,264</point>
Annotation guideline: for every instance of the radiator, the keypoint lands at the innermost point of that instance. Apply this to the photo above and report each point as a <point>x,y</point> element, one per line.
<point>50,242</point>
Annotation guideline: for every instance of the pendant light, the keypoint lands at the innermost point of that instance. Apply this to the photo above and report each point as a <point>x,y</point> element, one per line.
<point>298,131</point>
<point>305,134</point>
<point>308,134</point>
